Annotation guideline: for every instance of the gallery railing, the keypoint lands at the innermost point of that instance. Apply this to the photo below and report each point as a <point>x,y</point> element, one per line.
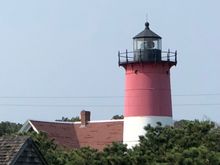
<point>140,56</point>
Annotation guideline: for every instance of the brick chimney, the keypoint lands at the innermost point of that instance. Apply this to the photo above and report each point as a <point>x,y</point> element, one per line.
<point>85,117</point>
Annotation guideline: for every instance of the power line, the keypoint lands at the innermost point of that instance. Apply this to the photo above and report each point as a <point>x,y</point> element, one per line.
<point>201,94</point>
<point>93,97</point>
<point>203,104</point>
<point>56,97</point>
<point>98,105</point>
<point>51,105</point>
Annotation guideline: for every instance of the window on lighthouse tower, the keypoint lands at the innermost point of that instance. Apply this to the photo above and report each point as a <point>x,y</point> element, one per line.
<point>147,43</point>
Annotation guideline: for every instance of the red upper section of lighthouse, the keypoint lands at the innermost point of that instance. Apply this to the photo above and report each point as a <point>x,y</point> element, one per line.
<point>147,91</point>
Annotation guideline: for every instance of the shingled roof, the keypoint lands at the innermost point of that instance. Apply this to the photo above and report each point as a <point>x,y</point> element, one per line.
<point>19,150</point>
<point>96,134</point>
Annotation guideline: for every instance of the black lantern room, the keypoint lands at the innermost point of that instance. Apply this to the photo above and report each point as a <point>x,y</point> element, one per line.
<point>147,46</point>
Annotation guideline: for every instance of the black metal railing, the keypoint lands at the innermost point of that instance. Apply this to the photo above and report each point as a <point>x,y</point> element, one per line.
<point>129,57</point>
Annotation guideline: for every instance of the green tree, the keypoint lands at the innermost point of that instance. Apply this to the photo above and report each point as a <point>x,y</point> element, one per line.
<point>116,154</point>
<point>192,142</point>
<point>115,117</point>
<point>9,128</point>
<point>62,156</point>
<point>186,143</point>
<point>73,119</point>
<point>48,148</point>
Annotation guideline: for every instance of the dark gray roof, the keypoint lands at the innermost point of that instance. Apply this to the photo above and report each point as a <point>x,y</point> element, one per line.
<point>19,150</point>
<point>147,33</point>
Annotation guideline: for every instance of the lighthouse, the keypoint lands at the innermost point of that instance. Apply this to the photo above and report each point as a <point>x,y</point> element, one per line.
<point>147,85</point>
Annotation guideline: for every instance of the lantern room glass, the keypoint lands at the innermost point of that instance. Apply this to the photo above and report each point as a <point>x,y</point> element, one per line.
<point>147,43</point>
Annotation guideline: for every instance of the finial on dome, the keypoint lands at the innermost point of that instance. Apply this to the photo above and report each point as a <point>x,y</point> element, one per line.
<point>147,25</point>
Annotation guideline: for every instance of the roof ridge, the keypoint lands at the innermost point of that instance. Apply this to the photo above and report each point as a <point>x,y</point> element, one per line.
<point>77,122</point>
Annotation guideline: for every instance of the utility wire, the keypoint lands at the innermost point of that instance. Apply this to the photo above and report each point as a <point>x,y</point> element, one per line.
<point>203,104</point>
<point>201,94</point>
<point>91,97</point>
<point>59,105</point>
<point>57,97</point>
<point>99,105</point>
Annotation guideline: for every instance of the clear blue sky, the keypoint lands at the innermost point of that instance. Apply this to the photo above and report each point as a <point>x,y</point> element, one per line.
<point>53,48</point>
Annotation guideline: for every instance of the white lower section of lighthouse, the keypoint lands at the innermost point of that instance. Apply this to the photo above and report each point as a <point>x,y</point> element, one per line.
<point>134,127</point>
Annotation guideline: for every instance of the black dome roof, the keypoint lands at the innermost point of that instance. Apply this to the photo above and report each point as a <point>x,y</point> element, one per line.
<point>147,33</point>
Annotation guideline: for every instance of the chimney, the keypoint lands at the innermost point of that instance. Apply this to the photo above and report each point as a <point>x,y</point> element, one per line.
<point>85,117</point>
